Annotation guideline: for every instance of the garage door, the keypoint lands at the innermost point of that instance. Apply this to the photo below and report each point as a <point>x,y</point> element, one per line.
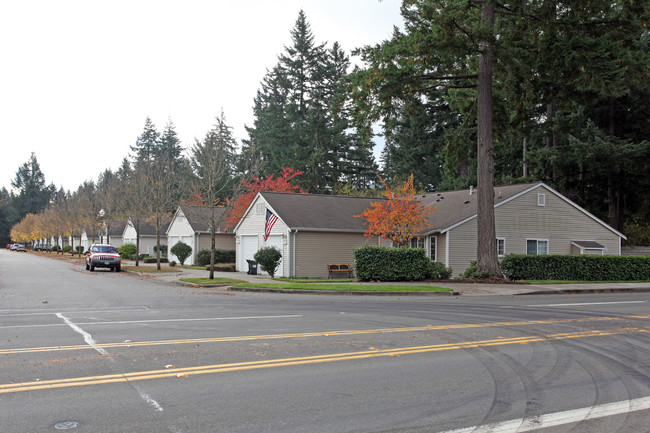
<point>248,245</point>
<point>276,241</point>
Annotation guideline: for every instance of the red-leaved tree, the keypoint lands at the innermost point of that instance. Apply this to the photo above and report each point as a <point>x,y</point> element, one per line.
<point>271,183</point>
<point>399,217</point>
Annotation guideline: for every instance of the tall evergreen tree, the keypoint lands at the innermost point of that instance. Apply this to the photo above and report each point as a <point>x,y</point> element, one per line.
<point>147,145</point>
<point>33,194</point>
<point>300,116</point>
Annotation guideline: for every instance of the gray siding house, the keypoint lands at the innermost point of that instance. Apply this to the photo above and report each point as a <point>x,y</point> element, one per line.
<point>313,231</point>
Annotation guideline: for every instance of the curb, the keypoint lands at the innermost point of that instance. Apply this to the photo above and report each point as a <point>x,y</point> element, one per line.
<point>590,291</point>
<point>340,292</point>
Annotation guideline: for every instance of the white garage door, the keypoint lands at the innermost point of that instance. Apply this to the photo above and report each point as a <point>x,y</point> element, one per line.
<point>248,245</point>
<point>276,241</point>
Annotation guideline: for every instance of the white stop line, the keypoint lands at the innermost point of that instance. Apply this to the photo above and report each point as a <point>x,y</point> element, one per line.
<point>560,418</point>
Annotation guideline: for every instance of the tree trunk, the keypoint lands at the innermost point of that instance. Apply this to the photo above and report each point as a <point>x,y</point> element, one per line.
<point>157,244</point>
<point>486,253</point>
<point>212,245</point>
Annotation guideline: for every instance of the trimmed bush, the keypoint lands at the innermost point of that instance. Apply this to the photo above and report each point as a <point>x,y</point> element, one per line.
<point>268,259</point>
<point>438,271</point>
<point>153,260</point>
<point>576,268</point>
<point>220,256</point>
<point>80,249</point>
<point>222,268</point>
<point>395,264</point>
<point>67,248</point>
<point>127,251</point>
<point>182,251</point>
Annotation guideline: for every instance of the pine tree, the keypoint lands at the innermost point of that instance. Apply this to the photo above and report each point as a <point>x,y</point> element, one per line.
<point>147,145</point>
<point>33,194</point>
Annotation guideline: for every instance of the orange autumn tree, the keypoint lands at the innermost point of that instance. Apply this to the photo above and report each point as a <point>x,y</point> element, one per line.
<point>272,184</point>
<point>399,217</point>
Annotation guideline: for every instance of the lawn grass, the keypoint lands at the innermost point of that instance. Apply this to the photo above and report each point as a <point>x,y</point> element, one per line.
<point>345,287</point>
<point>150,269</point>
<point>312,280</point>
<point>213,281</point>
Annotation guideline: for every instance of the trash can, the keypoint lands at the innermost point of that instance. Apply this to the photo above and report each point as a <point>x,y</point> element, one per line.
<point>252,267</point>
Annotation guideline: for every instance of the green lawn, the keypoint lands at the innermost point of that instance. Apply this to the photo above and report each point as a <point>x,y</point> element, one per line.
<point>213,281</point>
<point>150,269</point>
<point>345,287</point>
<point>312,280</point>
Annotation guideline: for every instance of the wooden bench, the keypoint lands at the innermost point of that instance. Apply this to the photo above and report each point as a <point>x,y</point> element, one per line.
<point>340,271</point>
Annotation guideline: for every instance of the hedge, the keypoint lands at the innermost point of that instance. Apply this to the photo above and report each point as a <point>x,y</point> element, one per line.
<point>576,267</point>
<point>396,264</point>
<point>220,256</point>
<point>154,260</point>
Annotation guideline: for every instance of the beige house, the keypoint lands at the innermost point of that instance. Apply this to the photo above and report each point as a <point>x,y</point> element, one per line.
<point>147,236</point>
<point>313,231</point>
<point>190,225</point>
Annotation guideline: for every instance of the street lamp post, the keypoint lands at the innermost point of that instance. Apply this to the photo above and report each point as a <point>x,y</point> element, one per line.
<point>101,231</point>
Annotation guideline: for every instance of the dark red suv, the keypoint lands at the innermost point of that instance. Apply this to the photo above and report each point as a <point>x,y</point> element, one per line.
<point>103,256</point>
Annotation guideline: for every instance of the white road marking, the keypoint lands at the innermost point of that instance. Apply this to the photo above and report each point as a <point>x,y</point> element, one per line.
<point>560,418</point>
<point>122,322</point>
<point>89,340</point>
<point>87,337</point>
<point>587,303</point>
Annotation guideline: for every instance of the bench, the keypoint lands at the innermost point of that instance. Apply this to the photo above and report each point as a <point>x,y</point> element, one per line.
<point>339,271</point>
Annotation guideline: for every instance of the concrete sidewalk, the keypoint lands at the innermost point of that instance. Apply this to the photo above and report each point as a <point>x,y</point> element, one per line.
<point>462,288</point>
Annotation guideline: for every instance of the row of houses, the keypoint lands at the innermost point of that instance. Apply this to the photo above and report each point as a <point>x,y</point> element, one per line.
<point>313,230</point>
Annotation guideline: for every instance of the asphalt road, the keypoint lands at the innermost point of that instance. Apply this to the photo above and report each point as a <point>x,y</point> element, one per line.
<point>112,352</point>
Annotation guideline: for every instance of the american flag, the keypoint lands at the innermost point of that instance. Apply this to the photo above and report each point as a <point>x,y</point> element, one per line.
<point>270,220</point>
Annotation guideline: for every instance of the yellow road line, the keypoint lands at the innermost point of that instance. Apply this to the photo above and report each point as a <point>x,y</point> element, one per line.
<point>283,362</point>
<point>313,334</point>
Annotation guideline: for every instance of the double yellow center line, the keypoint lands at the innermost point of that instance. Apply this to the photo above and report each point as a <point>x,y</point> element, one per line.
<point>313,334</point>
<point>273,363</point>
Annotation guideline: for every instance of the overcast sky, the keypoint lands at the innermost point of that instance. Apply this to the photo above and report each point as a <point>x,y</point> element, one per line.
<point>79,78</point>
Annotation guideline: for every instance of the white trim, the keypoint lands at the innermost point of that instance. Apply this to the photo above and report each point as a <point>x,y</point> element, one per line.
<point>447,248</point>
<point>541,199</point>
<point>504,247</point>
<point>548,246</point>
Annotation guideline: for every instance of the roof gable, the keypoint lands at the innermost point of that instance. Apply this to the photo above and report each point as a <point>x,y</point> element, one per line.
<point>198,217</point>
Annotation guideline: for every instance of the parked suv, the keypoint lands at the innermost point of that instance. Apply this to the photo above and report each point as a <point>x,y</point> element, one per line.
<point>103,256</point>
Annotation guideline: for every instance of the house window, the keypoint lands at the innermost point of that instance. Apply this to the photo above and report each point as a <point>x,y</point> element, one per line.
<point>501,247</point>
<point>434,248</point>
<point>536,246</point>
<point>417,243</point>
<point>541,199</point>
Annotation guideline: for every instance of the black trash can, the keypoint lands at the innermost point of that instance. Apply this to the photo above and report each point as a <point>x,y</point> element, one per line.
<point>252,267</point>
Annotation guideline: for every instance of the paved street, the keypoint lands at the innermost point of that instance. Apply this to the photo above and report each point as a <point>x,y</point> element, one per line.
<point>115,352</point>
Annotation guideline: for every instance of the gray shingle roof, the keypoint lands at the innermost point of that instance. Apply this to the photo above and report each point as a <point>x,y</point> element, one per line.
<point>336,213</point>
<point>199,217</point>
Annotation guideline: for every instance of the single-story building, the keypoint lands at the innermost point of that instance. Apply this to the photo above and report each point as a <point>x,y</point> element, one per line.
<point>190,225</point>
<point>147,236</point>
<point>315,230</point>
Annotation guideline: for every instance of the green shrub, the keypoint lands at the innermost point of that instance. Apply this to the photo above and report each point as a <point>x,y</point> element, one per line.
<point>392,264</point>
<point>127,251</point>
<point>163,249</point>
<point>473,273</point>
<point>56,248</point>
<point>172,263</point>
<point>438,271</point>
<point>182,251</point>
<point>67,248</point>
<point>220,256</point>
<point>154,260</point>
<point>80,249</point>
<point>268,259</point>
<point>576,267</point>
